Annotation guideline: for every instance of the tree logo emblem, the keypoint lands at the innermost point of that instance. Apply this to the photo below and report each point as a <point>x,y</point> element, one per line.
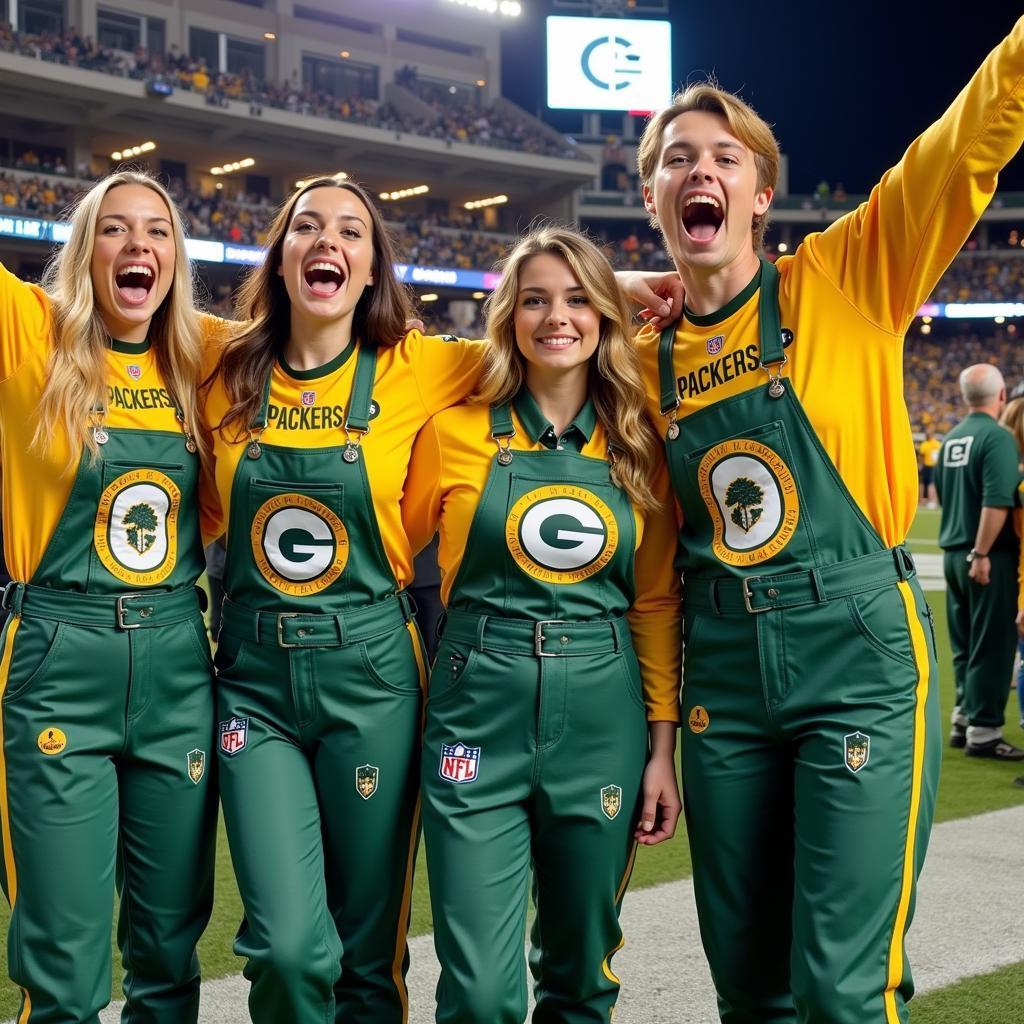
<point>140,523</point>
<point>746,496</point>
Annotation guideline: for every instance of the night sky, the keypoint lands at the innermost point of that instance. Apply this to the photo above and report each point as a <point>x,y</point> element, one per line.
<point>846,86</point>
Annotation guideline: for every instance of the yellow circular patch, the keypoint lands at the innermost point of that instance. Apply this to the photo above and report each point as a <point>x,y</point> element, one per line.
<point>699,719</point>
<point>299,544</point>
<point>752,499</point>
<point>52,741</point>
<point>561,534</point>
<point>136,528</point>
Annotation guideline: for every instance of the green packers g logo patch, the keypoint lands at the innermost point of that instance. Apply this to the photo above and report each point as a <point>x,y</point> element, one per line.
<point>752,499</point>
<point>135,533</point>
<point>561,534</point>
<point>299,544</point>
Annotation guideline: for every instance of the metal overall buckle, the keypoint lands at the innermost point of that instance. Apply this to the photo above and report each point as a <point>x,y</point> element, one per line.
<point>120,611</point>
<point>280,628</point>
<point>539,637</point>
<point>749,595</point>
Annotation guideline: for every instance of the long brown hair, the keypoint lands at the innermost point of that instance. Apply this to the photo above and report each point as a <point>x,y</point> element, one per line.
<point>379,318</point>
<point>76,378</point>
<point>615,382</point>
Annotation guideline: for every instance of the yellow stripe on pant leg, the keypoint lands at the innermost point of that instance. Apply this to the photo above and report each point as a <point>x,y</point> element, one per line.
<point>5,820</point>
<point>920,649</point>
<point>606,965</point>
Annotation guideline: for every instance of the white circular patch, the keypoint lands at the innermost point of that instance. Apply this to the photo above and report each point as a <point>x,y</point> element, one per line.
<point>138,526</point>
<point>299,544</point>
<point>583,545</point>
<point>748,497</point>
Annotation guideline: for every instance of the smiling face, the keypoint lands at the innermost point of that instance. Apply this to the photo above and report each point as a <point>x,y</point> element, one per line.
<point>557,327</point>
<point>705,193</point>
<point>132,265</point>
<point>327,256</point>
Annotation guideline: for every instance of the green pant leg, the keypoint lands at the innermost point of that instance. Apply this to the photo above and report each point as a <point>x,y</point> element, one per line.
<point>584,810</point>
<point>958,617</point>
<point>867,753</point>
<point>60,812</point>
<point>369,699</point>
<point>477,833</point>
<point>737,792</point>
<point>993,609</point>
<point>272,818</point>
<point>168,814</point>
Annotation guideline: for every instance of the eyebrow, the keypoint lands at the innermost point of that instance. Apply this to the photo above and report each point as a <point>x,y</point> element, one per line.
<point>538,288</point>
<point>720,144</point>
<point>122,217</point>
<point>320,217</point>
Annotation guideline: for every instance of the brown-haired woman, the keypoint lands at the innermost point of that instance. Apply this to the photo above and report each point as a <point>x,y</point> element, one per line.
<point>1013,419</point>
<point>320,669</point>
<point>105,672</point>
<point>562,631</point>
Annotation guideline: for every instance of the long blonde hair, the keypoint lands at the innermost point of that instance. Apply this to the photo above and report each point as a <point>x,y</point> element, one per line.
<point>1013,420</point>
<point>615,382</point>
<point>77,372</point>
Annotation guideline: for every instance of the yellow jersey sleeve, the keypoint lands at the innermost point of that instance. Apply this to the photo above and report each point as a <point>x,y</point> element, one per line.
<point>888,254</point>
<point>655,620</point>
<point>446,368</point>
<point>26,322</point>
<point>422,495</point>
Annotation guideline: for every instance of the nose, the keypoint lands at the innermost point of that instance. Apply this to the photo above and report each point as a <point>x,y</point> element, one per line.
<point>556,315</point>
<point>138,241</point>
<point>326,242</point>
<point>701,170</point>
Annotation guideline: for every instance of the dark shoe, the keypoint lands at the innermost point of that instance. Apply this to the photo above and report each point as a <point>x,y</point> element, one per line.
<point>1019,781</point>
<point>997,750</point>
<point>958,737</point>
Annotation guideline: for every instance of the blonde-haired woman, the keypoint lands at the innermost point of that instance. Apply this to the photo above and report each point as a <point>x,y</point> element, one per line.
<point>1013,420</point>
<point>107,713</point>
<point>554,700</point>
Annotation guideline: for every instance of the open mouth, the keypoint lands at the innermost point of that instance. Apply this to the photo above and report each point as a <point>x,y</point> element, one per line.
<point>323,279</point>
<point>702,217</point>
<point>134,282</point>
<point>557,341</point>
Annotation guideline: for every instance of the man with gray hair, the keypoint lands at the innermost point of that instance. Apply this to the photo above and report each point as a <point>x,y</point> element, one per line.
<point>976,479</point>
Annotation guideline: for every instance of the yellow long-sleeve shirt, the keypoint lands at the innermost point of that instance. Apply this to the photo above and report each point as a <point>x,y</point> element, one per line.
<point>451,462</point>
<point>849,293</point>
<point>414,379</point>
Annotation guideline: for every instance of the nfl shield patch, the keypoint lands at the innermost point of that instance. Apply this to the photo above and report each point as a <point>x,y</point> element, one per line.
<point>366,780</point>
<point>309,398</point>
<point>196,765</point>
<point>233,735</point>
<point>459,763</point>
<point>715,344</point>
<point>611,801</point>
<point>135,372</point>
<point>856,750</point>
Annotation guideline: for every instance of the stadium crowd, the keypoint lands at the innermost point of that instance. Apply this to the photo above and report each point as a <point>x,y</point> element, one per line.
<point>453,120</point>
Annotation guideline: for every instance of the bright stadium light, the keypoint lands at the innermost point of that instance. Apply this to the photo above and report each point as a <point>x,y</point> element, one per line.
<point>237,165</point>
<point>478,204</point>
<point>130,151</point>
<point>404,193</point>
<point>338,176</point>
<point>429,297</point>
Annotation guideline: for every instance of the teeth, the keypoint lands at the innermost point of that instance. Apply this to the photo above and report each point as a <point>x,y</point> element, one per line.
<point>709,200</point>
<point>136,268</point>
<point>320,265</point>
<point>557,342</point>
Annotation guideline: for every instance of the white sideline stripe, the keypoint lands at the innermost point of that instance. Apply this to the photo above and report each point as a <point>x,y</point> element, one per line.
<point>963,927</point>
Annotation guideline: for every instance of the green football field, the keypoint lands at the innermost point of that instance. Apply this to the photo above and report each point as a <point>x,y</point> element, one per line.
<point>967,788</point>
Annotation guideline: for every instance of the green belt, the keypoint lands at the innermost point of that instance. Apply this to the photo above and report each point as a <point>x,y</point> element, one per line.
<point>545,638</point>
<point>140,609</point>
<point>299,629</point>
<point>727,595</point>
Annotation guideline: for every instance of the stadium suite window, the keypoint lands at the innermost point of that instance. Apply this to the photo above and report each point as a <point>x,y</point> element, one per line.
<point>340,20</point>
<point>118,31</point>
<point>246,56</point>
<point>340,77</point>
<point>204,45</point>
<point>39,16</point>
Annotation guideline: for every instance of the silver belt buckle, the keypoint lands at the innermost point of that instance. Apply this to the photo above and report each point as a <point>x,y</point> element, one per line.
<point>539,637</point>
<point>748,596</point>
<point>280,628</point>
<point>121,611</point>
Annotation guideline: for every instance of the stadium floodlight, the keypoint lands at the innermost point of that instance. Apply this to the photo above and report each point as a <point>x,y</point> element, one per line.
<point>429,297</point>
<point>237,165</point>
<point>478,204</point>
<point>129,151</point>
<point>270,36</point>
<point>404,193</point>
<point>504,8</point>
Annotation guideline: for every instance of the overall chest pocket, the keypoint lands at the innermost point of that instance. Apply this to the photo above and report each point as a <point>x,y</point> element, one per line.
<point>297,534</point>
<point>135,535</point>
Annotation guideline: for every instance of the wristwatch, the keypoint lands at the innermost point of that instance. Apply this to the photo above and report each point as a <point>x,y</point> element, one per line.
<point>975,553</point>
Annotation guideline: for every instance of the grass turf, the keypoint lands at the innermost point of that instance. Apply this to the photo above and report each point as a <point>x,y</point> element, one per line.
<point>967,788</point>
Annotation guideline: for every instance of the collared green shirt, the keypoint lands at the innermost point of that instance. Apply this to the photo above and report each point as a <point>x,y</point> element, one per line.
<point>540,430</point>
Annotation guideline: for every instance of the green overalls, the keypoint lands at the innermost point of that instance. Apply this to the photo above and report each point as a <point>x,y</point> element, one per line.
<point>810,746</point>
<point>319,700</point>
<point>107,733</point>
<point>535,743</point>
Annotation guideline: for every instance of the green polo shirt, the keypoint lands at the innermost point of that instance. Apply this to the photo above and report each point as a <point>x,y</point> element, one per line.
<point>540,430</point>
<point>978,467</point>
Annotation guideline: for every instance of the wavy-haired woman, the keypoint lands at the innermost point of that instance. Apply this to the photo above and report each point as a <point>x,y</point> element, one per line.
<point>107,714</point>
<point>1013,419</point>
<point>314,410</point>
<point>554,700</point>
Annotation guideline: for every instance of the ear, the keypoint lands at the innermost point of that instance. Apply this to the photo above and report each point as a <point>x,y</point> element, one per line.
<point>369,280</point>
<point>763,200</point>
<point>649,201</point>
<point>280,270</point>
